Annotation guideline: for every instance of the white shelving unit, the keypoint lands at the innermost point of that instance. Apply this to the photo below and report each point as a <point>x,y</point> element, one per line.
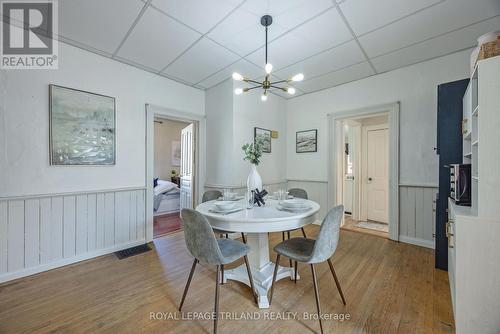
<point>474,232</point>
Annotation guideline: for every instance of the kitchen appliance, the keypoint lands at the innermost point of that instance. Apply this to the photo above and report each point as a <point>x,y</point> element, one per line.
<point>460,184</point>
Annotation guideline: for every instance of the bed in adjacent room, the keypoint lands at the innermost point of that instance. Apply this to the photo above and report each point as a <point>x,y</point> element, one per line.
<point>166,198</point>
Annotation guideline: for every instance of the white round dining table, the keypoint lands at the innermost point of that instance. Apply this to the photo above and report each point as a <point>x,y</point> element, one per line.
<point>256,223</point>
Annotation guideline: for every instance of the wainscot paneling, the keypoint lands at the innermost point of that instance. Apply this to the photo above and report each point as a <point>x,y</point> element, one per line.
<point>417,214</point>
<point>43,232</point>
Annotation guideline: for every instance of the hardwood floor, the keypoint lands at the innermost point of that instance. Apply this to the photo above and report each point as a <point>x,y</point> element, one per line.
<point>350,225</point>
<point>389,287</point>
<point>165,224</point>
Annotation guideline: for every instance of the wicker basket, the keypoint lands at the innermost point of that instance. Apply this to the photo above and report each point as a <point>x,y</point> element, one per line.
<point>490,49</point>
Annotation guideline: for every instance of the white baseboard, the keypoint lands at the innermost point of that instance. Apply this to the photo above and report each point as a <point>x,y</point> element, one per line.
<point>64,262</point>
<point>417,241</point>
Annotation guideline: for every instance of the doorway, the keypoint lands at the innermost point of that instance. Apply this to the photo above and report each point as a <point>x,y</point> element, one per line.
<point>173,173</point>
<point>169,166</point>
<point>366,152</point>
<point>363,169</point>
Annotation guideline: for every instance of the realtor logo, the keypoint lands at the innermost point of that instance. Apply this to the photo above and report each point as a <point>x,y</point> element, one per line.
<point>27,34</point>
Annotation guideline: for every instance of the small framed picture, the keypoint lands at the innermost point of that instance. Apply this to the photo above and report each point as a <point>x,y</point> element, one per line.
<point>266,136</point>
<point>306,141</point>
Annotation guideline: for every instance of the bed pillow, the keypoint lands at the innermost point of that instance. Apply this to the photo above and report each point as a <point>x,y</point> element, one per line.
<point>164,186</point>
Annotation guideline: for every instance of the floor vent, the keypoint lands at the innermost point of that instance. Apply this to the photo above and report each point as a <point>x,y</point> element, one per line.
<point>123,254</point>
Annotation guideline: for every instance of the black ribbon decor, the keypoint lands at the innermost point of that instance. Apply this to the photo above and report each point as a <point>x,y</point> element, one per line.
<point>259,197</point>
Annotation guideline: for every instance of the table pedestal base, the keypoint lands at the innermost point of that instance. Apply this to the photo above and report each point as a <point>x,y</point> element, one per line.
<point>262,279</point>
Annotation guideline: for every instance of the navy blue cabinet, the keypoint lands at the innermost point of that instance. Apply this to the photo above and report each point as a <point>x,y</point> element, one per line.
<point>449,149</point>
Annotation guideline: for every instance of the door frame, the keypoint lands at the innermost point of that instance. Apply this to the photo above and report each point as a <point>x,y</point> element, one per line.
<point>199,123</point>
<point>334,162</point>
<point>364,167</point>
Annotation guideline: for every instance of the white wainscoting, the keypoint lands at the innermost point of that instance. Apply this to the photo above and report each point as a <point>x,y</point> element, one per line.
<point>39,233</point>
<point>417,214</point>
<point>241,189</point>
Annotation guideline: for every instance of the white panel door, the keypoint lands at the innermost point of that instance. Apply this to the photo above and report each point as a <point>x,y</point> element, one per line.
<point>377,172</point>
<point>187,148</point>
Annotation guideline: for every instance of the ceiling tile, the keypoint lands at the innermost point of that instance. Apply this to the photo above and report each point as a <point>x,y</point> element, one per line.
<point>200,15</point>
<point>88,22</point>
<point>242,66</point>
<point>442,18</point>
<point>440,46</point>
<point>203,59</point>
<point>381,12</point>
<point>242,32</point>
<point>287,13</point>
<point>157,40</point>
<point>332,79</point>
<point>331,60</point>
<point>326,30</point>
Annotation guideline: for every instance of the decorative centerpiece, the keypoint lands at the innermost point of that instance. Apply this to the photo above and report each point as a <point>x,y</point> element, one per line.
<point>253,153</point>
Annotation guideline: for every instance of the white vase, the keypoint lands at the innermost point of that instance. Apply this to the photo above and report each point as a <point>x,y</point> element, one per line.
<point>254,181</point>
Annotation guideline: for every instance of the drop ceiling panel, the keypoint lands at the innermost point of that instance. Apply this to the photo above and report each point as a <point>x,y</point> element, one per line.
<point>331,60</point>
<point>325,31</point>
<point>442,18</point>
<point>157,40</point>
<point>364,16</point>
<point>332,79</point>
<point>242,32</point>
<point>287,13</point>
<point>440,46</point>
<point>203,59</point>
<point>88,22</point>
<point>241,66</point>
<point>200,15</point>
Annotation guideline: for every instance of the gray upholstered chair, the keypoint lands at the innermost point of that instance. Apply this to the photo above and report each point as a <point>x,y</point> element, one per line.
<point>209,250</point>
<point>314,251</point>
<point>212,195</point>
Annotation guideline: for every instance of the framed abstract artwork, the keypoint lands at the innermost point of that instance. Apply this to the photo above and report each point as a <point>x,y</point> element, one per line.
<point>266,136</point>
<point>306,141</point>
<point>82,127</point>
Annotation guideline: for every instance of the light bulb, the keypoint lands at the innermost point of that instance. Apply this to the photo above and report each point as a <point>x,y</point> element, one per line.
<point>290,90</point>
<point>238,91</point>
<point>237,76</point>
<point>268,68</point>
<point>298,77</point>
<point>263,97</point>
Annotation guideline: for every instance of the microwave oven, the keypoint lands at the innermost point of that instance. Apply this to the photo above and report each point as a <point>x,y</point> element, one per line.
<point>460,184</point>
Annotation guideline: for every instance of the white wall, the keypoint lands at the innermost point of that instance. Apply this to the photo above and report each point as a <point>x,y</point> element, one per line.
<point>24,116</point>
<point>219,111</point>
<point>250,112</point>
<point>165,133</point>
<point>230,124</point>
<point>52,216</point>
<point>415,87</point>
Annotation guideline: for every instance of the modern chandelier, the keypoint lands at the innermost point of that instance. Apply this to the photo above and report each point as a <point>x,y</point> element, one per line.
<point>267,85</point>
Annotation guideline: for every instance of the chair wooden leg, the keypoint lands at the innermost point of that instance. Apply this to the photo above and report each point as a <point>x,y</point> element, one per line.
<point>243,238</point>
<point>295,274</point>
<point>316,293</point>
<point>251,279</point>
<point>276,266</point>
<point>336,281</point>
<point>283,235</point>
<point>303,232</point>
<point>216,308</point>
<point>221,274</point>
<point>188,283</point>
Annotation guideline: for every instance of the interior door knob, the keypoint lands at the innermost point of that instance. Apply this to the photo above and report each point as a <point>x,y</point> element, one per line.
<point>369,179</point>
